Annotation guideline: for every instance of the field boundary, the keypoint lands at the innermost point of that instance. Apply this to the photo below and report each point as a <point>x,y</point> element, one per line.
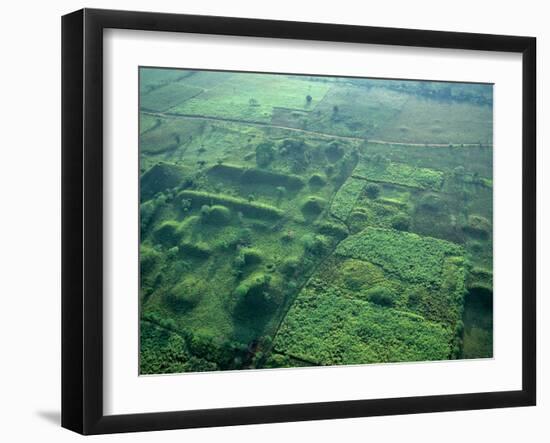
<point>314,133</point>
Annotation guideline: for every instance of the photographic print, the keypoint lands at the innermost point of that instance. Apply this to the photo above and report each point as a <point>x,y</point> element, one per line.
<point>299,220</point>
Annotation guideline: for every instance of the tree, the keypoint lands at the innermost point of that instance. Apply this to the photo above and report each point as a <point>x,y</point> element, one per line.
<point>372,190</point>
<point>382,296</point>
<point>459,172</point>
<point>264,154</point>
<point>401,222</point>
<point>185,204</point>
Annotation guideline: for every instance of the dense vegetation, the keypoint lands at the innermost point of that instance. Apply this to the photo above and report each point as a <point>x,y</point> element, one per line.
<point>295,221</point>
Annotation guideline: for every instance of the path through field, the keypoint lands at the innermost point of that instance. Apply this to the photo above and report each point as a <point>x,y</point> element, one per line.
<point>170,115</point>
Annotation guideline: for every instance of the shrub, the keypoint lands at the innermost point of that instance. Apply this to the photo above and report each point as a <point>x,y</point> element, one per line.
<point>430,202</point>
<point>185,204</point>
<point>334,152</point>
<point>358,219</point>
<point>148,259</point>
<point>382,296</point>
<point>278,361</point>
<point>316,244</point>
<point>476,247</point>
<point>478,227</point>
<point>202,346</point>
<point>415,298</point>
<point>290,266</point>
<point>146,212</point>
<point>292,147</point>
<point>401,222</point>
<point>239,264</point>
<point>264,154</point>
<point>458,173</point>
<point>288,236</point>
<point>372,190</point>
<point>281,192</point>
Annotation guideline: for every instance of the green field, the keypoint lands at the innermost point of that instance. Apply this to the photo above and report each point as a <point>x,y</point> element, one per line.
<point>290,221</point>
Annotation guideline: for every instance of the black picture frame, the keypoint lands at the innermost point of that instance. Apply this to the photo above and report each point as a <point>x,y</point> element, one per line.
<point>82,220</point>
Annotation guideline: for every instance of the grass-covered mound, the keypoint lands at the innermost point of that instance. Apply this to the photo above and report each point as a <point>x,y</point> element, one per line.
<point>252,209</point>
<point>256,176</point>
<point>317,180</point>
<point>168,233</point>
<point>272,178</point>
<point>186,294</point>
<point>215,215</point>
<point>313,206</point>
<point>160,177</point>
<point>336,230</point>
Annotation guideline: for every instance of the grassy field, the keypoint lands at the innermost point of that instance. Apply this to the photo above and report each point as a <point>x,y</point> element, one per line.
<point>168,96</point>
<point>428,121</point>
<point>264,93</point>
<point>291,221</point>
